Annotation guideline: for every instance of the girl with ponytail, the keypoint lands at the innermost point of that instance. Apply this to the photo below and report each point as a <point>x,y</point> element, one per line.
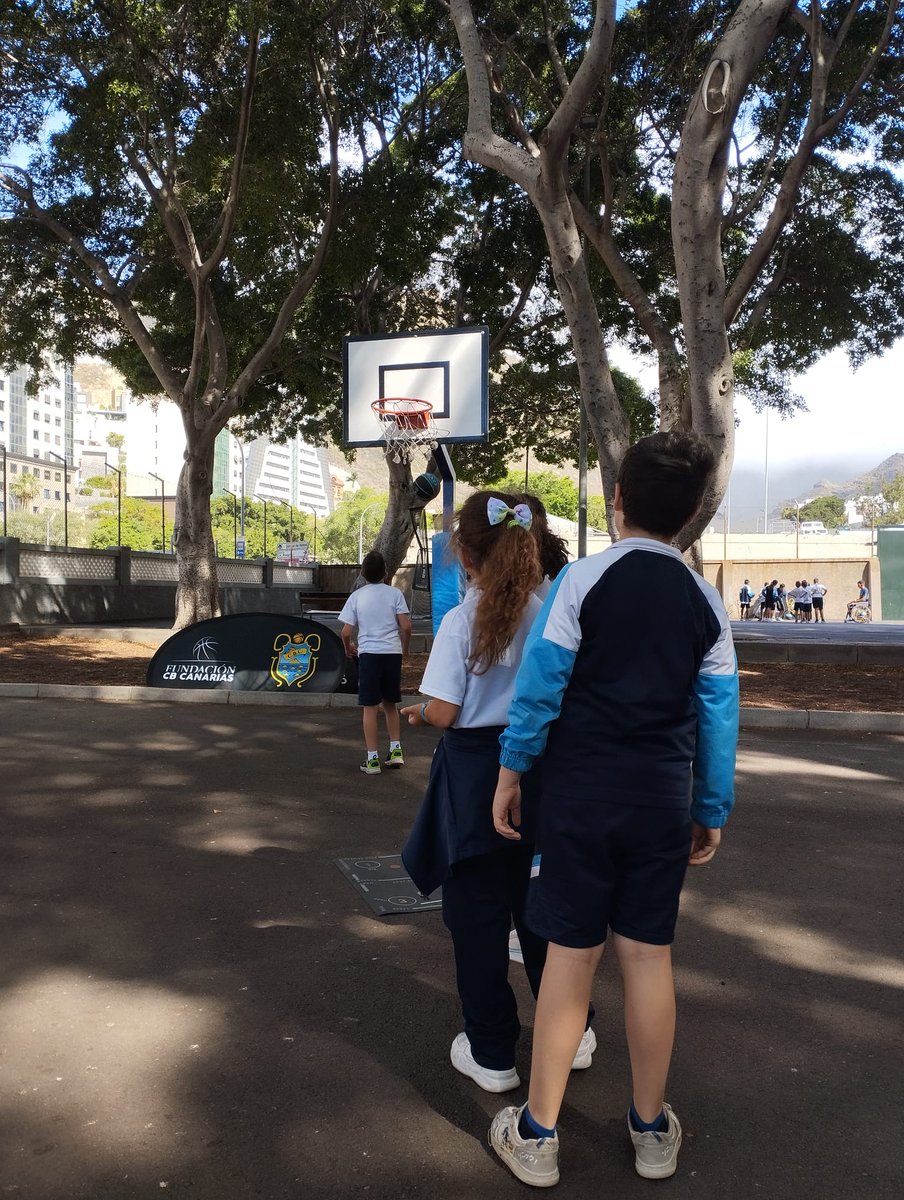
<point>468,687</point>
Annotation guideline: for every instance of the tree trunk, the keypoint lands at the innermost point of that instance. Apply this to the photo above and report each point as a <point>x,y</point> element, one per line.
<point>197,595</point>
<point>698,188</point>
<point>605,416</point>
<point>403,509</point>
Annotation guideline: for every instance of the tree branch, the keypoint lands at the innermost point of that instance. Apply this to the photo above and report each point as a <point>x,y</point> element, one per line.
<point>480,143</point>
<point>498,342</point>
<point>118,297</point>
<point>587,79</point>
<point>260,360</point>
<point>230,207</point>
<point>817,129</point>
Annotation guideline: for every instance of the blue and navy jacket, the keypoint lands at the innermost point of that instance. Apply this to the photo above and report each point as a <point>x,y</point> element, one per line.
<point>628,686</point>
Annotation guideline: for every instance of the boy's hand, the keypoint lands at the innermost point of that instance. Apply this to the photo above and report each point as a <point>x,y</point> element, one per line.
<point>704,844</point>
<point>507,804</point>
<point>351,650</point>
<point>413,714</point>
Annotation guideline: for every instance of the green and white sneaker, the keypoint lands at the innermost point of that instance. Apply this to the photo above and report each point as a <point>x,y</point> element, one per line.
<point>370,766</point>
<point>534,1161</point>
<point>395,758</point>
<point>656,1154</point>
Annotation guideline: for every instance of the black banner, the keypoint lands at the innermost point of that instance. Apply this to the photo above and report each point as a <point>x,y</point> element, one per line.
<point>255,652</point>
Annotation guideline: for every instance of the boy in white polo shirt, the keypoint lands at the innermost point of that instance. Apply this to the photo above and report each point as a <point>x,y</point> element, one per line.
<point>384,633</point>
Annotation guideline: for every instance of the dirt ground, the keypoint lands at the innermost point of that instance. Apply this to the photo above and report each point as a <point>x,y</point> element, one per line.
<point>784,685</point>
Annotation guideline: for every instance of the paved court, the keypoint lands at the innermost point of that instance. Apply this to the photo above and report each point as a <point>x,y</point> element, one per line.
<point>195,1003</point>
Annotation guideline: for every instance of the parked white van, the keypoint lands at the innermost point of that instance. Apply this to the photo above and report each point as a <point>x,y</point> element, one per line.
<point>813,527</point>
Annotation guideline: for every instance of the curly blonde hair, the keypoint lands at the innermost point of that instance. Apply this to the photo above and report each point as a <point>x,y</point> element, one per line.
<point>507,558</point>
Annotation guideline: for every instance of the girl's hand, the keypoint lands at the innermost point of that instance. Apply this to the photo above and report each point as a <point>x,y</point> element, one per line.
<point>507,804</point>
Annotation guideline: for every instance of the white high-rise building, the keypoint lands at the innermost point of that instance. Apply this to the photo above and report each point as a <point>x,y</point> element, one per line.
<point>152,432</point>
<point>294,472</point>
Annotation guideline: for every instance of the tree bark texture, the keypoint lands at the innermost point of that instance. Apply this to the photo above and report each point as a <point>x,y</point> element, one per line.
<point>698,188</point>
<point>539,168</point>
<point>197,593</point>
<point>402,511</point>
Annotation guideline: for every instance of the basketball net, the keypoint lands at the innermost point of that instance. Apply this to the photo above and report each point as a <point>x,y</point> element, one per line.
<point>407,425</point>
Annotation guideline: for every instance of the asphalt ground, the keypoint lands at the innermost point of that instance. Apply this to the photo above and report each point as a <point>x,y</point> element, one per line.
<point>196,1004</point>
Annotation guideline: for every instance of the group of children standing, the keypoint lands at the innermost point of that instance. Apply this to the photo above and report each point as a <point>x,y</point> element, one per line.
<point>586,759</point>
<point>775,601</point>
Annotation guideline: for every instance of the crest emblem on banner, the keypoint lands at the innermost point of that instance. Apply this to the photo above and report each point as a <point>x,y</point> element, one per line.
<point>294,658</point>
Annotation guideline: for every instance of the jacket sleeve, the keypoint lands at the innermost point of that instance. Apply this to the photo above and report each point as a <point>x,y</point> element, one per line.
<point>717,703</point>
<point>546,666</point>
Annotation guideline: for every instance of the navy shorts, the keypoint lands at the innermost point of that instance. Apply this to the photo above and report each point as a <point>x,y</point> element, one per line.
<point>379,679</point>
<point>817,603</point>
<point>607,866</point>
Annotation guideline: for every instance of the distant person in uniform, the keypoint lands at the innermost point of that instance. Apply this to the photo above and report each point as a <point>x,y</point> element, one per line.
<point>806,602</point>
<point>384,632</point>
<point>771,599</point>
<point>818,591</point>
<point>745,596</point>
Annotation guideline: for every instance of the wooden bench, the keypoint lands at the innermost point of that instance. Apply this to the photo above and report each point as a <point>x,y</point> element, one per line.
<point>322,601</point>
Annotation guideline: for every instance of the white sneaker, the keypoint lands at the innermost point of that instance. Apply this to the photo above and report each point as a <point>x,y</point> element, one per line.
<point>491,1081</point>
<point>656,1154</point>
<point>532,1160</point>
<point>584,1056</point>
<point>515,952</point>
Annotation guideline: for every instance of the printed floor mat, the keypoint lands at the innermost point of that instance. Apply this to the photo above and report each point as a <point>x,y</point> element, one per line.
<point>385,884</point>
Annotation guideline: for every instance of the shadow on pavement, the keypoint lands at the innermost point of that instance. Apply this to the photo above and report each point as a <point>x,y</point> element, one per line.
<point>195,1003</point>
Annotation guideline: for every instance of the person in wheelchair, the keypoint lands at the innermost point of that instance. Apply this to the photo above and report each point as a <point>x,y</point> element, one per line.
<point>862,598</point>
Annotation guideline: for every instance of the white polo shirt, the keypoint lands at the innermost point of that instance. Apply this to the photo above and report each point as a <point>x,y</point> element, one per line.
<point>375,609</point>
<point>483,699</point>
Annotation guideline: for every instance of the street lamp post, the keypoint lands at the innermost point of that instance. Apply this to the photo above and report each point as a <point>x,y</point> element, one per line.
<point>5,502</point>
<point>261,500</point>
<point>235,523</point>
<point>766,478</point>
<point>109,467</point>
<point>65,463</point>
<point>375,504</point>
<point>797,531</point>
<point>162,511</point>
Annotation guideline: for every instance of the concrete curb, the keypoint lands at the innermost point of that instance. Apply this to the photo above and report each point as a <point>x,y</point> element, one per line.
<point>751,718</point>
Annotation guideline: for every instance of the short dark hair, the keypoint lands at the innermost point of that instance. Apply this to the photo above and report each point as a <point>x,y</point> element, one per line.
<point>662,479</point>
<point>374,567</point>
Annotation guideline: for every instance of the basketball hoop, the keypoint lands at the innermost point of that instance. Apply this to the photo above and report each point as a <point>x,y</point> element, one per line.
<point>407,425</point>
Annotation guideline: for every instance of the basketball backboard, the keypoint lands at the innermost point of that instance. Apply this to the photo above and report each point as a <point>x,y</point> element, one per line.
<point>447,367</point>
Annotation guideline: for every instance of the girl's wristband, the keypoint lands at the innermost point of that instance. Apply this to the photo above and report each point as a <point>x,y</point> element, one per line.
<point>424,712</point>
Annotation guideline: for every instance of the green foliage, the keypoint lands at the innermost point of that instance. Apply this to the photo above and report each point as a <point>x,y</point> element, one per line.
<point>893,495</point>
<point>596,512</point>
<point>353,525</point>
<point>558,493</point>
<point>141,524</point>
<point>535,405</point>
<point>828,509</point>
<point>24,488</point>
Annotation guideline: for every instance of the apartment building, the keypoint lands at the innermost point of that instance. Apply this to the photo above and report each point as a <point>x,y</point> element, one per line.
<point>36,432</point>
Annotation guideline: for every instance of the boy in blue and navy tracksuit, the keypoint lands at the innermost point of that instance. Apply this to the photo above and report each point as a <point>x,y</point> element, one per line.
<point>633,706</point>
